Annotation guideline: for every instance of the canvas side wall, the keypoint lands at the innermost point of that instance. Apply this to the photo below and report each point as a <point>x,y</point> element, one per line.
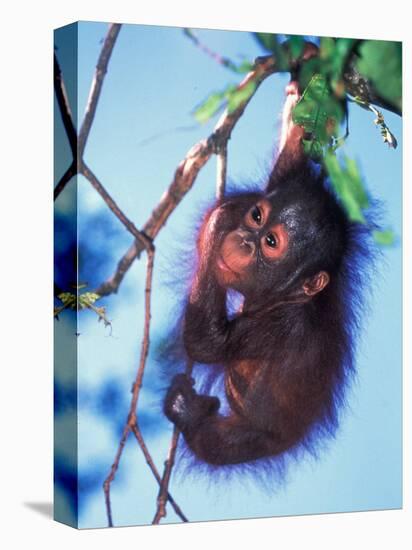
<point>65,279</point>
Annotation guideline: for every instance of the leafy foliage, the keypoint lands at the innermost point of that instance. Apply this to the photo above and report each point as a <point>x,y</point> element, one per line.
<point>296,46</point>
<point>346,180</point>
<point>320,114</point>
<point>322,110</point>
<point>333,55</point>
<point>80,302</point>
<point>211,105</point>
<point>384,238</point>
<point>381,62</point>
<point>240,95</point>
<point>347,183</point>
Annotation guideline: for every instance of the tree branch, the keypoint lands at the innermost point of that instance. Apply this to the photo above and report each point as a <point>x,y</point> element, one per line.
<point>224,61</point>
<point>132,419</point>
<point>96,87</point>
<point>64,107</point>
<point>77,144</point>
<point>129,225</point>
<point>131,423</point>
<point>155,472</point>
<point>163,492</point>
<point>169,463</point>
<point>66,177</point>
<point>67,118</point>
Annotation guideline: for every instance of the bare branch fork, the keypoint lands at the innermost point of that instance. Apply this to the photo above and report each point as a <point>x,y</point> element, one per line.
<point>78,144</point>
<point>79,166</point>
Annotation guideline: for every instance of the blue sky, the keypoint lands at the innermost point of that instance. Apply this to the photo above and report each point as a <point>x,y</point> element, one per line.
<point>143,128</point>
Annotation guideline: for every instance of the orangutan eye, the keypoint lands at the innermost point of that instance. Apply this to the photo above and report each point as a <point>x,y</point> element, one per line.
<point>256,215</point>
<point>271,240</point>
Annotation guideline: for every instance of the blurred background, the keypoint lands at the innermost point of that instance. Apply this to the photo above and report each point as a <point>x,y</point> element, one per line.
<point>142,130</point>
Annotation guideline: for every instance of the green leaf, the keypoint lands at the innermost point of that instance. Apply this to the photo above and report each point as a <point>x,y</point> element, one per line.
<point>343,48</point>
<point>81,302</point>
<point>348,185</point>
<point>355,181</point>
<point>313,149</point>
<point>384,238</point>
<point>319,113</point>
<point>296,45</point>
<point>267,40</point>
<point>231,94</point>
<point>240,95</point>
<point>326,48</point>
<point>68,299</point>
<point>333,54</point>
<point>87,298</point>
<point>381,62</point>
<point>84,300</point>
<point>308,112</point>
<point>209,107</point>
<point>308,69</point>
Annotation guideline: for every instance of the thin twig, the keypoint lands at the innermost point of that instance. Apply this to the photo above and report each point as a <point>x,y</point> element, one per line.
<point>151,464</point>
<point>112,473</point>
<point>67,118</point>
<point>66,177</point>
<point>131,419</point>
<point>78,144</point>
<point>129,225</point>
<point>169,463</point>
<point>64,107</point>
<point>162,497</point>
<point>97,83</point>
<point>186,174</point>
<point>131,423</point>
<point>225,61</point>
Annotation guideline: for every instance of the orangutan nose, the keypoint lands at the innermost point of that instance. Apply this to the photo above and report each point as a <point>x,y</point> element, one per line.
<point>246,243</point>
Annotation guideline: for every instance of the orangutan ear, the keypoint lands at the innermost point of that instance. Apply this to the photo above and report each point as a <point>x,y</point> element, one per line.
<point>316,283</point>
